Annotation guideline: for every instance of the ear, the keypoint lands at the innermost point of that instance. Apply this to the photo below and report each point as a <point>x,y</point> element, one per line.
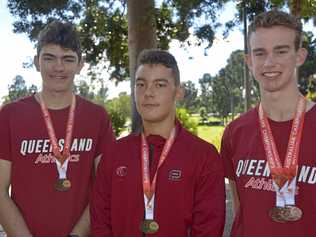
<point>36,63</point>
<point>179,93</point>
<point>80,65</point>
<point>301,55</point>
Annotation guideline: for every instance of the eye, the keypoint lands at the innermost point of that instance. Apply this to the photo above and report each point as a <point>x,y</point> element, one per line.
<point>46,58</point>
<point>139,84</point>
<point>281,51</point>
<point>161,84</point>
<point>70,60</point>
<point>258,54</point>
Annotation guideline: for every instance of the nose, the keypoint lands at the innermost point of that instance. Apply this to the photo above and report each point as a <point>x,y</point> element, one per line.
<point>270,60</point>
<point>59,65</point>
<point>150,90</point>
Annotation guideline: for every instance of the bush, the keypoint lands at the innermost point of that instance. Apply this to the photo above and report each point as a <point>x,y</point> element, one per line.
<point>187,122</point>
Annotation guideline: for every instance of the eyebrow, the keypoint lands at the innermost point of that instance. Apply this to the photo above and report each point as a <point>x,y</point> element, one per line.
<point>281,47</point>
<point>54,56</point>
<point>155,80</point>
<point>278,47</point>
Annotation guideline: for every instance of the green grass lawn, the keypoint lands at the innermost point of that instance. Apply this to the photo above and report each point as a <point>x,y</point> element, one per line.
<point>211,134</point>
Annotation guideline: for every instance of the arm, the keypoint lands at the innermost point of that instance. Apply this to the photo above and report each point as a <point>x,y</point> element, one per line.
<point>234,195</point>
<point>209,201</point>
<point>100,207</point>
<point>10,216</point>
<point>82,227</point>
<point>105,140</point>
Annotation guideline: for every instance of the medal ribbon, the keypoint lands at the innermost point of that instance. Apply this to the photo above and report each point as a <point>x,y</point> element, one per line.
<point>60,157</point>
<point>284,178</point>
<point>149,188</point>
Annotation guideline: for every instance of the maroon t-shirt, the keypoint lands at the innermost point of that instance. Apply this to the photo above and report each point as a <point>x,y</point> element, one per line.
<point>190,195</point>
<point>245,163</point>
<point>25,142</point>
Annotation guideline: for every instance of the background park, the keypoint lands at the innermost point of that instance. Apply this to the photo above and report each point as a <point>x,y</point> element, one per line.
<point>113,32</point>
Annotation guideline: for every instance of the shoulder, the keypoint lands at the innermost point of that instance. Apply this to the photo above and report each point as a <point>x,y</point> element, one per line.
<point>248,120</point>
<point>24,103</point>
<point>90,108</point>
<point>129,140</point>
<point>193,144</point>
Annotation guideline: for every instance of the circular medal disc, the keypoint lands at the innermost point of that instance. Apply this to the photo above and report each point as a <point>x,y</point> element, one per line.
<point>149,226</point>
<point>293,213</point>
<point>62,185</point>
<point>277,214</point>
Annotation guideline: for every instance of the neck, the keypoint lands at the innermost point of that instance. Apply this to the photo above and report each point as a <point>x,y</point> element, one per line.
<point>280,106</point>
<point>162,128</point>
<point>56,100</point>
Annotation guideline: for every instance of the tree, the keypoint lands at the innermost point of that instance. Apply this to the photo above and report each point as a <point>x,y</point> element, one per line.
<point>120,111</point>
<point>104,28</point>
<point>189,100</point>
<point>308,69</point>
<point>206,97</point>
<point>248,9</point>
<point>186,121</point>
<point>18,89</point>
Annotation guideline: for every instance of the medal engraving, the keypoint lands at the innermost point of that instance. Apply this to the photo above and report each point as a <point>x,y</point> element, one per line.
<point>62,185</point>
<point>277,214</point>
<point>149,226</point>
<point>293,213</point>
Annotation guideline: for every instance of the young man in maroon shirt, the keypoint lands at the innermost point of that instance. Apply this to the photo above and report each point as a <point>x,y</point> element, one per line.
<point>269,152</point>
<point>163,181</point>
<point>48,147</point>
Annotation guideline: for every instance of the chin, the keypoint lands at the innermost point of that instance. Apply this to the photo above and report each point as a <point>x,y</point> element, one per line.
<point>151,119</point>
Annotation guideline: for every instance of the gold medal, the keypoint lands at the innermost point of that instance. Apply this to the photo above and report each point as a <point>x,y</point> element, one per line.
<point>62,185</point>
<point>149,226</point>
<point>277,214</point>
<point>293,213</point>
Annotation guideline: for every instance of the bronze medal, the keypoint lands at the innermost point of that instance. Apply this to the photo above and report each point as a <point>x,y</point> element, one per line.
<point>62,185</point>
<point>293,213</point>
<point>277,214</point>
<point>149,226</point>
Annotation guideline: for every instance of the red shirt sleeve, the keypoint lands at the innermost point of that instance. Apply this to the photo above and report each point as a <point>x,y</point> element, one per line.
<point>226,154</point>
<point>5,136</point>
<point>106,135</point>
<point>100,206</point>
<point>209,200</point>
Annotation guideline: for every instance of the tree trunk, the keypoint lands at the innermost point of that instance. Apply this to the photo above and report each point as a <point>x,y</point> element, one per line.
<point>296,8</point>
<point>246,73</point>
<point>141,35</point>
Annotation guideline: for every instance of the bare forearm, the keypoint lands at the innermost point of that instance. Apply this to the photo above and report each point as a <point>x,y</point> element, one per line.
<point>235,198</point>
<point>11,218</point>
<point>82,228</point>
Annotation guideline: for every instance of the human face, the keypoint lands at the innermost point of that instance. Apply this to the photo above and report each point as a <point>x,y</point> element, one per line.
<point>273,59</point>
<point>156,93</point>
<point>58,67</point>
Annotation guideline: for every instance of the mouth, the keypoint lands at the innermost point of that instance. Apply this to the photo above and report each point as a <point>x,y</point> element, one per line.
<point>271,74</point>
<point>58,77</point>
<point>150,105</point>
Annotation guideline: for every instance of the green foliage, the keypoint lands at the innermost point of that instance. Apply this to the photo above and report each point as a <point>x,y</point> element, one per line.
<point>206,97</point>
<point>186,121</point>
<point>104,29</point>
<point>119,111</point>
<point>203,115</point>
<point>308,69</point>
<point>18,89</point>
<point>189,101</point>
<point>212,134</point>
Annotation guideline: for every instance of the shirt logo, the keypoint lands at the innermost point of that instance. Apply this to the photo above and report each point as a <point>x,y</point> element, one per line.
<point>121,171</point>
<point>175,175</point>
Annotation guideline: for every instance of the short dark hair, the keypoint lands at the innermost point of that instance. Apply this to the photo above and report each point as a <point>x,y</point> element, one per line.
<point>277,18</point>
<point>157,56</point>
<point>63,34</point>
